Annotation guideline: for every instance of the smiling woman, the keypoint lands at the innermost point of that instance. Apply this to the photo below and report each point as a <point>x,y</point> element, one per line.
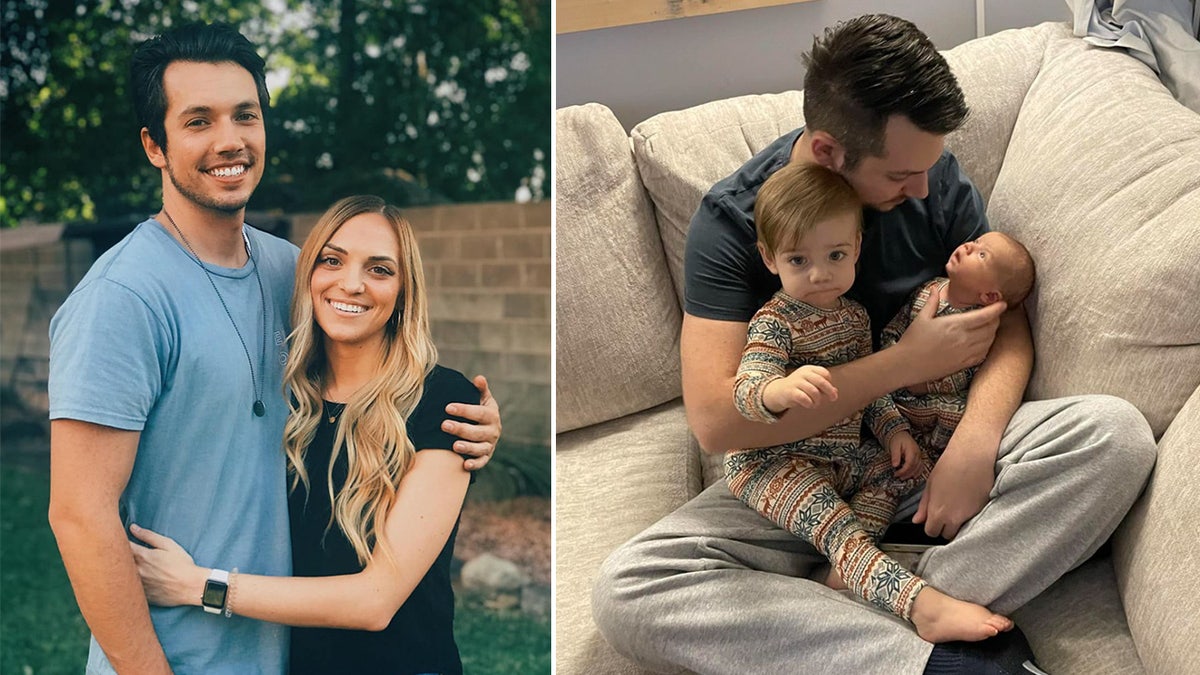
<point>355,283</point>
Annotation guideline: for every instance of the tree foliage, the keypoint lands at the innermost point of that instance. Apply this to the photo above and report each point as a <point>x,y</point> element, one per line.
<point>419,101</point>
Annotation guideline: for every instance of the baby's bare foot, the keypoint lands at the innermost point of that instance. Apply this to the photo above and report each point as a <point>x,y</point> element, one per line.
<point>940,618</point>
<point>834,580</point>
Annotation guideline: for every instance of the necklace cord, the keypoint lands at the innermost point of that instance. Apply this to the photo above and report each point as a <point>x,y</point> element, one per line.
<point>259,408</point>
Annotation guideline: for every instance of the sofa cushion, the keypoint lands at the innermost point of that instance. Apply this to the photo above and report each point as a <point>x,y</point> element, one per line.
<point>1102,184</point>
<point>1076,627</point>
<point>995,73</point>
<point>617,317</point>
<point>682,153</point>
<point>1155,552</point>
<point>613,480</point>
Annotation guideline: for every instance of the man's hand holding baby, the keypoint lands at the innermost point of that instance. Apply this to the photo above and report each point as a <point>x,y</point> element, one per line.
<point>943,345</point>
<point>807,387</point>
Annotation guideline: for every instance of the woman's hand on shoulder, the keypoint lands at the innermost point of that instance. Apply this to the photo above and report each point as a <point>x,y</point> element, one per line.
<point>169,576</point>
<point>479,439</point>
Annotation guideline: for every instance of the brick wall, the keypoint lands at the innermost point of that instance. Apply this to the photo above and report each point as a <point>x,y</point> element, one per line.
<point>37,271</point>
<point>488,270</point>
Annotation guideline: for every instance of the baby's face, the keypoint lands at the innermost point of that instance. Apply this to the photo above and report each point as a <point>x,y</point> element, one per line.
<point>820,268</point>
<point>978,265</point>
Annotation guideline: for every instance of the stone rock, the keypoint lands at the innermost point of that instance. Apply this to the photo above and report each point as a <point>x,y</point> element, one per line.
<point>489,572</point>
<point>502,601</point>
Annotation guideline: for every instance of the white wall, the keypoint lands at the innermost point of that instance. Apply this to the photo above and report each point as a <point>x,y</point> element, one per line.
<point>644,69</point>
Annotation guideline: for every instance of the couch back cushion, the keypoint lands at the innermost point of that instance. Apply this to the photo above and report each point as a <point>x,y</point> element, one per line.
<point>682,153</point>
<point>995,73</point>
<point>617,316</point>
<point>1102,184</point>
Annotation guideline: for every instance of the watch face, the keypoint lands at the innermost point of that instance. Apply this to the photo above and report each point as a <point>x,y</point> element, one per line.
<point>214,594</point>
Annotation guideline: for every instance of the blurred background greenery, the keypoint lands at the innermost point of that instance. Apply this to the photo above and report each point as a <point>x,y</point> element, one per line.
<point>419,101</point>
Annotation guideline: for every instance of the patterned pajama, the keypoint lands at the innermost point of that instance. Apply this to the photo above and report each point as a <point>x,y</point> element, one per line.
<point>833,490</point>
<point>933,416</point>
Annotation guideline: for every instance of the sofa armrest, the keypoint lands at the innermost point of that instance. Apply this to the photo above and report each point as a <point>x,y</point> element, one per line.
<point>1155,552</point>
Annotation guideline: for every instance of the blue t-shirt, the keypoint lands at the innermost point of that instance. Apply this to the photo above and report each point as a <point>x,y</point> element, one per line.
<point>143,344</point>
<point>725,278</point>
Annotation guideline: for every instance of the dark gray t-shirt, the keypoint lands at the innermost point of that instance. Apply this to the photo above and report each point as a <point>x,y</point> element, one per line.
<point>725,278</point>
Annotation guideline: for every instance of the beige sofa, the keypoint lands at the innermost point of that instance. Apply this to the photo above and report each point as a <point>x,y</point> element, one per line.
<point>1080,152</point>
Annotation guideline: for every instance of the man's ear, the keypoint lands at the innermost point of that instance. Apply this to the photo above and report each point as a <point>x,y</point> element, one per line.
<point>828,152</point>
<point>767,258</point>
<point>988,297</point>
<point>153,152</point>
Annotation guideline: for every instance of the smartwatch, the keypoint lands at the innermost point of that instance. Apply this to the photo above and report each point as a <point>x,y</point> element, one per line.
<point>216,589</point>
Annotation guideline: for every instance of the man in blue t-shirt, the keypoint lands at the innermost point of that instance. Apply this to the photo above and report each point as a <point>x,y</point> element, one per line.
<point>166,370</point>
<point>717,588</point>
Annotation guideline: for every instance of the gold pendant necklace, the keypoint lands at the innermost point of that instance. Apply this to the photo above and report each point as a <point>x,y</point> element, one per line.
<point>332,410</point>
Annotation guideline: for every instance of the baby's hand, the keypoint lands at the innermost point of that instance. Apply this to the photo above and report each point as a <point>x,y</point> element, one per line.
<point>807,387</point>
<point>906,455</point>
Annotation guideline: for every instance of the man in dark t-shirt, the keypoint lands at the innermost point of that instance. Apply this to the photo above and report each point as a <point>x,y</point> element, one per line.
<point>902,247</point>
<point>716,588</point>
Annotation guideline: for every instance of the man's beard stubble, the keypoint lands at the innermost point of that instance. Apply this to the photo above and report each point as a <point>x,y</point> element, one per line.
<point>203,200</point>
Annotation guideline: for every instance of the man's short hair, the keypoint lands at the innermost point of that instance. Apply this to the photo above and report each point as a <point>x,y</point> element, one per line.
<point>864,70</point>
<point>795,199</point>
<point>197,42</point>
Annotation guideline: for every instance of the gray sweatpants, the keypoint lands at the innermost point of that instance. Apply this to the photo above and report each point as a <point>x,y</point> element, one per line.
<point>716,588</point>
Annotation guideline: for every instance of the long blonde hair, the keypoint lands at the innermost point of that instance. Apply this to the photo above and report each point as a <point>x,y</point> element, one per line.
<point>372,428</point>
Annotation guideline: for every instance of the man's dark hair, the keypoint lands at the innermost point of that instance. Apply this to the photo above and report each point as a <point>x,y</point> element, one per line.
<point>198,42</point>
<point>866,69</point>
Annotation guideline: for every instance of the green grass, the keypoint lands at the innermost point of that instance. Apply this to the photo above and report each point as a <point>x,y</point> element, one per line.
<point>41,630</point>
<point>500,642</point>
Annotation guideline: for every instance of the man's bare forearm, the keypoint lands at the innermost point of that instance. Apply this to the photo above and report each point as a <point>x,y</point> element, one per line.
<point>96,554</point>
<point>999,384</point>
<point>720,427</point>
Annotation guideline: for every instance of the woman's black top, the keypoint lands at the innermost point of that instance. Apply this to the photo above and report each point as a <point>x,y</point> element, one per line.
<point>420,637</point>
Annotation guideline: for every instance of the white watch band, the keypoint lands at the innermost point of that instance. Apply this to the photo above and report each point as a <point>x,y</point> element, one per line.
<point>221,577</point>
